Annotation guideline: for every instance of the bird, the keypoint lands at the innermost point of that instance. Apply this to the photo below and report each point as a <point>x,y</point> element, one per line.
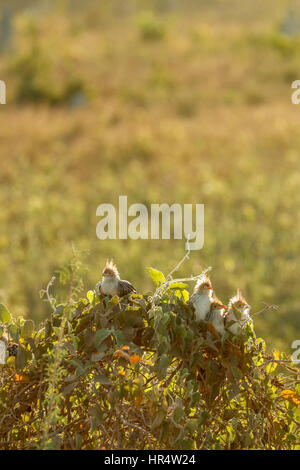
<point>7,348</point>
<point>12,349</point>
<point>202,298</point>
<point>3,347</point>
<point>238,314</point>
<point>216,315</point>
<point>111,283</point>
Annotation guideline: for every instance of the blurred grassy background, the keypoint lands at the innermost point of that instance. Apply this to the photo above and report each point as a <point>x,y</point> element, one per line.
<point>164,101</point>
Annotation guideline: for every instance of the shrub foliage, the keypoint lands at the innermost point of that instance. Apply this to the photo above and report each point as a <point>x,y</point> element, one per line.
<point>139,373</point>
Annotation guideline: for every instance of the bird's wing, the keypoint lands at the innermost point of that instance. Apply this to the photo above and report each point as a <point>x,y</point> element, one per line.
<point>210,316</point>
<point>125,288</point>
<point>98,288</point>
<point>191,300</point>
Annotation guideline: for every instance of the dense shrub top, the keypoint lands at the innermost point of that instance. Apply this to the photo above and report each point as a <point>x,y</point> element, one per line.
<point>139,373</point>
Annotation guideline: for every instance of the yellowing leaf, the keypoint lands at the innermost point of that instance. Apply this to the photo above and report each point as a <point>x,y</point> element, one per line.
<point>271,367</point>
<point>156,276</point>
<point>138,399</point>
<point>177,285</point>
<point>21,378</point>
<point>182,294</point>
<point>11,361</point>
<point>291,395</point>
<point>27,329</point>
<point>5,316</point>
<point>149,363</point>
<point>135,359</point>
<point>91,296</point>
<point>118,353</point>
<point>276,354</point>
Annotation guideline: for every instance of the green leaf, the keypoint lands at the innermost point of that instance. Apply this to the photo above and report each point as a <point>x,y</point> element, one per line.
<point>159,417</point>
<point>188,444</point>
<point>162,367</point>
<point>237,373</point>
<point>95,357</point>
<point>5,316</point>
<point>163,348</point>
<point>101,335</point>
<point>178,414</point>
<point>21,358</point>
<point>96,412</point>
<point>193,425</point>
<point>13,330</point>
<point>196,397</point>
<point>56,330</point>
<point>204,416</point>
<point>78,439</point>
<point>119,337</point>
<point>69,388</point>
<point>102,379</point>
<point>27,329</point>
<point>156,276</point>
<point>233,391</point>
<point>59,309</point>
<point>80,367</point>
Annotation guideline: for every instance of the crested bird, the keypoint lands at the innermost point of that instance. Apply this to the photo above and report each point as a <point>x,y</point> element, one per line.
<point>111,283</point>
<point>202,298</point>
<point>216,316</point>
<point>238,314</point>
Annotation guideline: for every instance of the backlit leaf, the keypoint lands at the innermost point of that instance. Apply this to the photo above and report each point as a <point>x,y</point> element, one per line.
<point>156,276</point>
<point>5,316</point>
<point>27,329</point>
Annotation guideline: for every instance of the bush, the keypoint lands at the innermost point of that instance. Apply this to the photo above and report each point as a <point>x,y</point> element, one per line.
<point>150,28</point>
<point>138,372</point>
<point>42,76</point>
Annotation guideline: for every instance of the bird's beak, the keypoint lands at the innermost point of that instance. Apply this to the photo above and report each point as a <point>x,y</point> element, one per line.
<point>224,306</point>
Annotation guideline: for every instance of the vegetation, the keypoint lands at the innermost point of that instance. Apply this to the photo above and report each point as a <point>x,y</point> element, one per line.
<point>176,111</point>
<point>163,103</point>
<point>138,372</point>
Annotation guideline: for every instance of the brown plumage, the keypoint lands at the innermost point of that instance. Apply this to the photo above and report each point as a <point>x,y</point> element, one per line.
<point>238,314</point>
<point>203,283</point>
<point>216,315</point>
<point>202,298</point>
